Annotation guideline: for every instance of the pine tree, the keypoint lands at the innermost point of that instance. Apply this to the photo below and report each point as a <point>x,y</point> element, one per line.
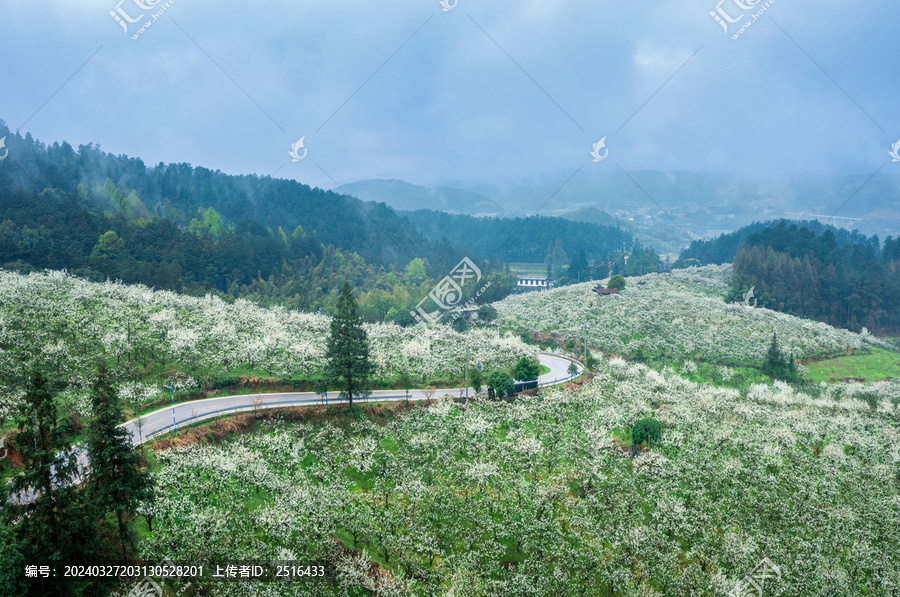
<point>12,563</point>
<point>556,255</point>
<point>774,364</point>
<point>773,356</point>
<point>578,267</point>
<point>347,349</point>
<point>779,365</point>
<point>115,481</point>
<point>53,524</point>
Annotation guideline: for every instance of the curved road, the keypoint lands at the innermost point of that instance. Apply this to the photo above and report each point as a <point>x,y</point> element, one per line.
<point>186,413</point>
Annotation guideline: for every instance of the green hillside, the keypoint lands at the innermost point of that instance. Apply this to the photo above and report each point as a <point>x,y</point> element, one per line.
<point>543,495</point>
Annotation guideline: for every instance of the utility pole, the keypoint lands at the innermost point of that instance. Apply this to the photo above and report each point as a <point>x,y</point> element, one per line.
<point>467,368</point>
<point>584,354</point>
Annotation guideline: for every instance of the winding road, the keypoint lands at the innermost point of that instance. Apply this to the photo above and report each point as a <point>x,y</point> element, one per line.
<point>185,413</point>
<point>167,419</point>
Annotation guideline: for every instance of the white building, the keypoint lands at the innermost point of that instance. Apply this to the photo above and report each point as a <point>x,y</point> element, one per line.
<point>525,283</point>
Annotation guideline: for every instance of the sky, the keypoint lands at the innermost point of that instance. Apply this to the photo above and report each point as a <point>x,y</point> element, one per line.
<point>464,93</point>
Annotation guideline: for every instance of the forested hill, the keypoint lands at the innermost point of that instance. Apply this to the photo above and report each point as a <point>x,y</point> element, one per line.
<point>100,182</point>
<point>724,247</point>
<point>842,278</point>
<point>521,239</point>
<point>196,231</point>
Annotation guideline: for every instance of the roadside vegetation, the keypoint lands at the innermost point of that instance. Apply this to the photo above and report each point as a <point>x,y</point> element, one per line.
<point>153,339</point>
<point>632,479</point>
<point>680,321</point>
<point>544,493</point>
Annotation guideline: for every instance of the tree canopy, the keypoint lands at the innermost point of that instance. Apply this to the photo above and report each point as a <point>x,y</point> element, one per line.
<point>536,239</point>
<point>115,483</point>
<point>501,382</point>
<point>347,349</point>
<point>527,369</point>
<point>55,526</point>
<point>644,431</point>
<point>617,282</point>
<point>778,364</point>
<point>844,279</point>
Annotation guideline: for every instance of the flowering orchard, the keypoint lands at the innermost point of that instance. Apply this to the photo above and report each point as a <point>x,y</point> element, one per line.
<point>156,338</point>
<point>676,317</point>
<point>541,497</point>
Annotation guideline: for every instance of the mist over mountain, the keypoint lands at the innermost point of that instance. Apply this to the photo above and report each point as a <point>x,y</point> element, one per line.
<point>101,181</point>
<point>409,197</point>
<point>670,208</point>
<point>448,297</point>
<point>275,241</point>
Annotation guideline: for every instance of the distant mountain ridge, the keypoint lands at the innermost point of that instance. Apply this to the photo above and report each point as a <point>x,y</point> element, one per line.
<point>668,209</point>
<point>592,215</point>
<point>177,192</point>
<point>518,239</point>
<point>406,196</point>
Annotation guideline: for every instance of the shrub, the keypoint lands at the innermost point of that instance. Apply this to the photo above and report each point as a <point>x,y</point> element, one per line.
<point>475,378</point>
<point>617,282</point>
<point>779,365</point>
<point>527,369</point>
<point>459,324</point>
<point>486,313</point>
<point>644,431</point>
<point>502,383</point>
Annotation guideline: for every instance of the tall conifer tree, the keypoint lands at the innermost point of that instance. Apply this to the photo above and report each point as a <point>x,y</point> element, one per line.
<point>53,524</point>
<point>115,482</point>
<point>347,349</point>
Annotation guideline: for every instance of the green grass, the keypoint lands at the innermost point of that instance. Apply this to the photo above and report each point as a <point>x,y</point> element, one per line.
<point>875,364</point>
<point>528,269</point>
<point>544,369</point>
<point>623,436</point>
